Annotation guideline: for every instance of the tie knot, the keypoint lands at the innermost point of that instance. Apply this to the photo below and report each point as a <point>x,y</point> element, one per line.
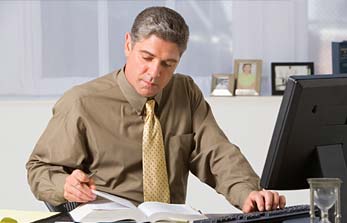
<point>150,106</point>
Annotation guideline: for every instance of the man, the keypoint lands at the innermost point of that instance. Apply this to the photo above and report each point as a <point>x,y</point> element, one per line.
<point>99,127</point>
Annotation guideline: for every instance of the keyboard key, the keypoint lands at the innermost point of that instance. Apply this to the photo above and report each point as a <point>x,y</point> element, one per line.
<point>290,212</point>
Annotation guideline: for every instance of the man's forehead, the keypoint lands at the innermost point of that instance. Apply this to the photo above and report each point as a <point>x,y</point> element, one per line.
<point>174,60</point>
<point>153,45</point>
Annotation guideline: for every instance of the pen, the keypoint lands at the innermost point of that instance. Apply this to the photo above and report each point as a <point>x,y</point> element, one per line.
<point>92,174</point>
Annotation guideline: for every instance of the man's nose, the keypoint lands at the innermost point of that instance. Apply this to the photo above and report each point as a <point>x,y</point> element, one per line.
<point>155,69</point>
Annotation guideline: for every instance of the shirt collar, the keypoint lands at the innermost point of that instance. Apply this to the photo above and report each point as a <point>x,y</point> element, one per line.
<point>136,101</point>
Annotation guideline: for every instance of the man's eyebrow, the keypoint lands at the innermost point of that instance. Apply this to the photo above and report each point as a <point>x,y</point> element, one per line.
<point>151,54</point>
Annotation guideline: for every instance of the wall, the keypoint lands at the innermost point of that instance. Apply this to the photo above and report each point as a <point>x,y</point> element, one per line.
<point>49,46</point>
<point>273,31</point>
<point>247,121</point>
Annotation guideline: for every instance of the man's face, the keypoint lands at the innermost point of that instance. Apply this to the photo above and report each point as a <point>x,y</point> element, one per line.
<point>150,64</point>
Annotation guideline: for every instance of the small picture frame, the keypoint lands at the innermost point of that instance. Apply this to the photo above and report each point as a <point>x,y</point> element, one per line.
<point>248,77</point>
<point>280,73</point>
<point>222,85</point>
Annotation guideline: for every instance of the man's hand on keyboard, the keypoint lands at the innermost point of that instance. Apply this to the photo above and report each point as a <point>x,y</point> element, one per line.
<point>263,200</point>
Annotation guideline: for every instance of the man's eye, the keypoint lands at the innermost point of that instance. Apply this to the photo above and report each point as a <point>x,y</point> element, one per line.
<point>147,58</point>
<point>166,64</point>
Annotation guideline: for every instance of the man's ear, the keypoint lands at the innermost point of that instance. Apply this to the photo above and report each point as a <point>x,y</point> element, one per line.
<point>127,45</point>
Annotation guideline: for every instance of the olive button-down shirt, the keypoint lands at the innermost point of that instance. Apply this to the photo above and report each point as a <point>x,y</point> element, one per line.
<point>97,126</point>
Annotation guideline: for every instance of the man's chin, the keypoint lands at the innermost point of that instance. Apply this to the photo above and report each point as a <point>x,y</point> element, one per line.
<point>146,93</point>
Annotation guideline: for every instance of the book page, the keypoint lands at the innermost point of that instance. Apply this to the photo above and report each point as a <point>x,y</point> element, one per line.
<point>113,208</point>
<point>114,198</point>
<point>175,212</point>
<point>113,216</point>
<point>105,211</point>
<point>105,205</point>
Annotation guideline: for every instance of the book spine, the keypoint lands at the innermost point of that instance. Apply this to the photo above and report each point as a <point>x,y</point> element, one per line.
<point>343,57</point>
<point>339,57</point>
<point>335,57</point>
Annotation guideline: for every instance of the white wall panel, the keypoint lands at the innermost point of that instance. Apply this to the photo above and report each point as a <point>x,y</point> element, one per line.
<point>273,31</point>
<point>12,55</point>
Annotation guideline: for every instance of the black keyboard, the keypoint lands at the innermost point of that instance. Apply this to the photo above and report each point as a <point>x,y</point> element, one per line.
<point>290,212</point>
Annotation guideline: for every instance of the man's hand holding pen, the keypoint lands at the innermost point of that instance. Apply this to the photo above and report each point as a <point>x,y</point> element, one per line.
<point>78,187</point>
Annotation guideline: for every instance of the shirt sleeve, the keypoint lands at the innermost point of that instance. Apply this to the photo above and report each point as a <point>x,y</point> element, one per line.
<point>60,149</point>
<point>216,161</point>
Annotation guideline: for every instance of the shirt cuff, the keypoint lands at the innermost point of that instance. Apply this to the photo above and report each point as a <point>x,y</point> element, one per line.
<point>57,196</point>
<point>239,194</point>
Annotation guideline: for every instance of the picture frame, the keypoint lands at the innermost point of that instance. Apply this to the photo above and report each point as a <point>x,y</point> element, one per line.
<point>248,76</point>
<point>280,72</point>
<point>222,85</point>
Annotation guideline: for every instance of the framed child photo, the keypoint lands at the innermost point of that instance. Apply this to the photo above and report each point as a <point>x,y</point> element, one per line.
<point>222,85</point>
<point>248,77</point>
<point>280,72</point>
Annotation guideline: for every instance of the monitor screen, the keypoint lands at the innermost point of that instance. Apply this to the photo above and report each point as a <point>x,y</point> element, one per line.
<point>310,135</point>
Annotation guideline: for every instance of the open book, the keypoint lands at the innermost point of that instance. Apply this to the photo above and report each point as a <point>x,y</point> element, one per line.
<point>113,208</point>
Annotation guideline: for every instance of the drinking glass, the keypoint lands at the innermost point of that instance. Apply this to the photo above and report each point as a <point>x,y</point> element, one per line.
<point>325,192</point>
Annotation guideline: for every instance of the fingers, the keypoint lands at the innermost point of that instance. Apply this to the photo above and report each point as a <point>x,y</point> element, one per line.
<point>80,176</point>
<point>259,200</point>
<point>91,184</point>
<point>79,193</point>
<point>263,201</point>
<point>282,201</point>
<point>276,201</point>
<point>254,202</point>
<point>271,199</point>
<point>249,205</point>
<point>78,187</point>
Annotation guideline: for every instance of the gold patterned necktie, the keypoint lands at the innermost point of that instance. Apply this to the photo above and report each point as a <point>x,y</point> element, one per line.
<point>155,179</point>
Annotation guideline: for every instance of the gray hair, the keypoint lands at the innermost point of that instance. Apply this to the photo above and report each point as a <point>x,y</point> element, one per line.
<point>162,22</point>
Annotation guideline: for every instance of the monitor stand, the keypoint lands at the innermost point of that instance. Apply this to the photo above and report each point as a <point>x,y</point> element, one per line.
<point>333,164</point>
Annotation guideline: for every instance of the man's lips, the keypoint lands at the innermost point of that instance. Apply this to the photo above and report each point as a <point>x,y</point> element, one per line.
<point>149,83</point>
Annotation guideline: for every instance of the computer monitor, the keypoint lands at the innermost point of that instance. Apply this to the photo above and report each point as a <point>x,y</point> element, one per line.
<point>310,135</point>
